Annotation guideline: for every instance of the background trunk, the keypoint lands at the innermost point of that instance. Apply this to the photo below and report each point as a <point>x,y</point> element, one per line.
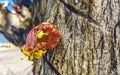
<point>90,37</point>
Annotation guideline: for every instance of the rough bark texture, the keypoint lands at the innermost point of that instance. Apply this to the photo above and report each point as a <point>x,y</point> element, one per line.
<point>90,37</point>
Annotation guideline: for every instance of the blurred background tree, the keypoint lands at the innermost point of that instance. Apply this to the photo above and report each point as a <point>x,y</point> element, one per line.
<point>90,35</point>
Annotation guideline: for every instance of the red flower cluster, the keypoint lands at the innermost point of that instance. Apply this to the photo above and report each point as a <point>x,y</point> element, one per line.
<point>42,37</point>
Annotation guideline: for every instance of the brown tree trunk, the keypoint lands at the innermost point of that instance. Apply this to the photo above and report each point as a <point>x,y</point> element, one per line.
<point>90,37</point>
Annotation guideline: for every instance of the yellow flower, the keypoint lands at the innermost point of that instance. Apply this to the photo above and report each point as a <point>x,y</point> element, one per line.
<point>33,53</point>
<point>36,54</point>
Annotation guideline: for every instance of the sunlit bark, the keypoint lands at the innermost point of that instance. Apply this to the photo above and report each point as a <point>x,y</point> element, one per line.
<point>90,36</point>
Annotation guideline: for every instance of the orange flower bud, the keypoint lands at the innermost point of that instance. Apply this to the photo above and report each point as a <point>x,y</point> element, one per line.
<point>53,35</point>
<point>48,41</point>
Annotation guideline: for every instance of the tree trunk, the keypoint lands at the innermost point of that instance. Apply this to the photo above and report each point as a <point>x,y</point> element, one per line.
<point>90,37</point>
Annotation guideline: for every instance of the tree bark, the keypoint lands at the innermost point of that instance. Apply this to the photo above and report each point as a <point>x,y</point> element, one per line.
<point>90,37</point>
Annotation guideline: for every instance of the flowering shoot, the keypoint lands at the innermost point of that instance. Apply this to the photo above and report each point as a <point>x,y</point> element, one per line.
<point>39,39</point>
